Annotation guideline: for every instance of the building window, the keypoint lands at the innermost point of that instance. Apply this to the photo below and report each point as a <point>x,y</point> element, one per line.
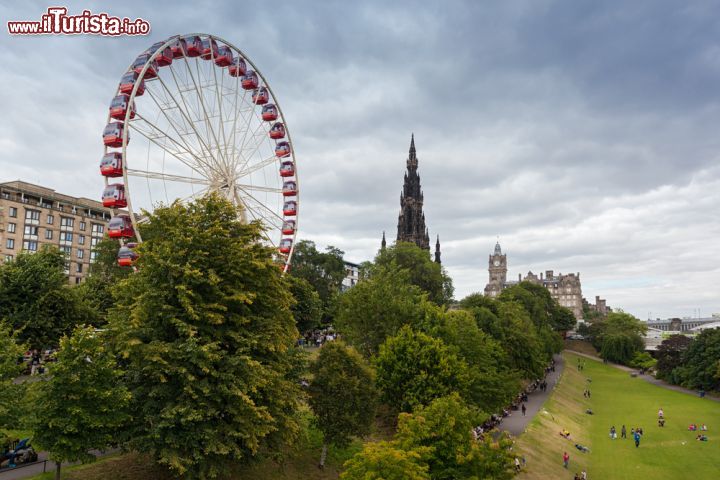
<point>93,255</point>
<point>13,212</point>
<point>30,245</point>
<point>82,226</point>
<point>50,219</point>
<point>98,229</point>
<point>67,251</point>
<point>78,267</point>
<point>77,280</point>
<point>81,239</point>
<point>31,230</point>
<point>10,243</point>
<point>67,222</point>
<point>32,215</point>
<point>48,234</point>
<point>11,227</point>
<point>66,236</point>
<point>8,258</point>
<point>80,253</point>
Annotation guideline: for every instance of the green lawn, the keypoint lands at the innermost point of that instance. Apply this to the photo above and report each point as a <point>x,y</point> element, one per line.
<point>670,452</point>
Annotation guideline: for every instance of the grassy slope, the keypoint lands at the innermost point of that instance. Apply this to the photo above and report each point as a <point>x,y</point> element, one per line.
<point>665,453</point>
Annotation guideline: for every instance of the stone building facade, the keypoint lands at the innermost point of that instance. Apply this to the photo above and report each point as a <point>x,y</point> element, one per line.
<point>32,216</point>
<point>565,289</point>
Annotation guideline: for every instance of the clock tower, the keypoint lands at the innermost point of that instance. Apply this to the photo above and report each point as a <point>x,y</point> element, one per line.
<point>497,266</point>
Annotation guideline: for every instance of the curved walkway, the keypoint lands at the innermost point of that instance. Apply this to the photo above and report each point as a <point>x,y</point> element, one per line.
<point>647,378</point>
<point>516,423</point>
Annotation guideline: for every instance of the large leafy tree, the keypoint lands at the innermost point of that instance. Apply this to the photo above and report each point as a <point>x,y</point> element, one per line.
<point>342,395</point>
<point>103,278</point>
<point>423,271</point>
<point>386,461</point>
<point>414,368</point>
<point>543,309</point>
<point>325,271</point>
<point>376,308</point>
<point>307,308</point>
<point>206,331</point>
<point>36,300</point>
<point>700,361</point>
<point>669,355</point>
<point>444,429</point>
<point>10,368</point>
<point>520,340</point>
<point>82,404</point>
<point>618,337</point>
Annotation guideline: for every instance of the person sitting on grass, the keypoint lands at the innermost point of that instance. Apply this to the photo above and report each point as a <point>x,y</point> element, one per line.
<point>589,412</point>
<point>565,433</point>
<point>702,438</point>
<point>703,427</point>
<point>661,422</point>
<point>582,448</point>
<point>692,427</point>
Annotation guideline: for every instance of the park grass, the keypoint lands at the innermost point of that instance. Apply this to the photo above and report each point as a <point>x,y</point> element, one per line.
<point>666,453</point>
<point>581,346</point>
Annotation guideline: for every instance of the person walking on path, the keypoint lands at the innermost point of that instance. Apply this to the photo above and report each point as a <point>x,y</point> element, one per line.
<point>623,432</point>
<point>636,436</point>
<point>566,459</point>
<point>523,409</point>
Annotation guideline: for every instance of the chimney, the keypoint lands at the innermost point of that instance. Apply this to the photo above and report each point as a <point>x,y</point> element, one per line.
<point>549,274</point>
<point>519,277</point>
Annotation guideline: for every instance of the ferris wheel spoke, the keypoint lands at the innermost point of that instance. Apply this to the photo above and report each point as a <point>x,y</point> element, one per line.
<point>233,135</point>
<point>167,177</point>
<point>258,188</point>
<point>194,195</point>
<point>181,135</point>
<point>254,168</point>
<point>268,212</point>
<point>218,96</point>
<point>258,218</point>
<point>155,138</point>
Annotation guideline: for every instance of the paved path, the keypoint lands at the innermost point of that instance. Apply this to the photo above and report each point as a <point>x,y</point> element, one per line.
<point>648,378</point>
<point>37,467</point>
<point>516,423</point>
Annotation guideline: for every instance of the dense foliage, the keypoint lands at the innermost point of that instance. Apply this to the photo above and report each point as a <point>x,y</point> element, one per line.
<point>205,330</point>
<point>36,300</point>
<point>82,404</point>
<point>669,356</point>
<point>386,461</point>
<point>618,337</point>
<point>700,362</point>
<point>342,394</point>
<point>307,308</point>
<point>10,392</point>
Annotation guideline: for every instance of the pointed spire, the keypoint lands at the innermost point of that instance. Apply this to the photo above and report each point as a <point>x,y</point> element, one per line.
<point>437,250</point>
<point>412,144</point>
<point>412,162</point>
<point>384,243</point>
<point>411,220</point>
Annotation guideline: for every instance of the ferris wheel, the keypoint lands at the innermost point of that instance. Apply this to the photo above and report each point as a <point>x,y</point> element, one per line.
<point>202,119</point>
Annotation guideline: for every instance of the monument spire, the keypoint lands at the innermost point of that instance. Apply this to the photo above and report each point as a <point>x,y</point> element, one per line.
<point>411,221</point>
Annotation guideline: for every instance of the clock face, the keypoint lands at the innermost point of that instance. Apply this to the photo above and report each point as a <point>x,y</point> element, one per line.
<point>496,263</point>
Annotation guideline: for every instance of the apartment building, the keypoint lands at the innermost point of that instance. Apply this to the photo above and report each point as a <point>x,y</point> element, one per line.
<point>32,216</point>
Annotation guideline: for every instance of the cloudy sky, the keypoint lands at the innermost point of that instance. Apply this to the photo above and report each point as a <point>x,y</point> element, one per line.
<point>583,134</point>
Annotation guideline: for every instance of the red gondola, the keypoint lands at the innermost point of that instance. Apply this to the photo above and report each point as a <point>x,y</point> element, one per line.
<point>260,96</point>
<point>289,189</point>
<point>285,245</point>
<point>287,169</point>
<point>249,80</point>
<point>224,56</point>
<point>126,257</point>
<point>179,48</point>
<point>193,46</point>
<point>290,208</point>
<point>277,131</point>
<point>238,67</point>
<point>114,196</point>
<point>269,113</point>
<point>209,49</point>
<point>127,82</point>
<point>282,149</point>
<point>113,134</point>
<point>288,227</point>
<point>119,107</point>
<point>111,165</point>
<point>140,62</point>
<point>165,57</point>
<point>120,226</point>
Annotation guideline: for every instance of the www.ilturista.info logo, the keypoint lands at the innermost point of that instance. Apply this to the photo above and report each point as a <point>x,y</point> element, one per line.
<point>57,22</point>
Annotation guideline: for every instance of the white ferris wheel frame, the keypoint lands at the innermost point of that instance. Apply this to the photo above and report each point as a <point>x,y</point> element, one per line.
<point>205,162</point>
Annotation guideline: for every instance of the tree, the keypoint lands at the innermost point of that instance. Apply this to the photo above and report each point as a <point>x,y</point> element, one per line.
<point>325,271</point>
<point>414,368</point>
<point>342,395</point>
<point>207,334</point>
<point>385,461</point>
<point>700,362</point>
<point>669,354</point>
<point>103,278</point>
<point>520,340</point>
<point>492,384</point>
<point>537,301</point>
<point>444,429</point>
<point>423,272</point>
<point>307,308</point>
<point>643,361</point>
<point>82,404</point>
<point>36,300</point>
<point>10,368</point>
<point>618,337</point>
<point>478,300</point>
<point>377,308</point>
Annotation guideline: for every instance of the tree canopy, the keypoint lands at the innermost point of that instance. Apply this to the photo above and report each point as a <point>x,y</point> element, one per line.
<point>700,361</point>
<point>385,461</point>
<point>205,329</point>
